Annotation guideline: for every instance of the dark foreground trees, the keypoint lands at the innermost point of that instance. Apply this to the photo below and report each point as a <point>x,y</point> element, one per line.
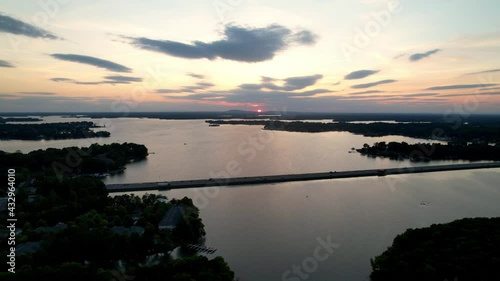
<point>463,250</point>
<point>68,228</point>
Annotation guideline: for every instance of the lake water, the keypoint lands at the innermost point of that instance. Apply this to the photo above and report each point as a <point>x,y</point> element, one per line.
<point>264,230</point>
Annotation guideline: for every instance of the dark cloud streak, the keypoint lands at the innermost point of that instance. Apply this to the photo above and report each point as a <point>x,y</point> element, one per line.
<point>197,76</point>
<point>419,56</point>
<point>360,74</point>
<point>109,65</point>
<point>373,84</point>
<point>6,64</point>
<point>15,26</point>
<point>454,87</point>
<point>366,92</point>
<point>111,80</point>
<point>485,71</point>
<point>37,93</point>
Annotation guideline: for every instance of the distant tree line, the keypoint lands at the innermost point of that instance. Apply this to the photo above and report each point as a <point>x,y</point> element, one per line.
<point>51,131</point>
<point>463,250</point>
<point>18,119</point>
<point>478,132</point>
<point>434,151</point>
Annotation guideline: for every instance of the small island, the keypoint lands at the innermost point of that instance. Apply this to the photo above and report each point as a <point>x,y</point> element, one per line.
<point>51,131</point>
<point>432,151</point>
<point>463,250</point>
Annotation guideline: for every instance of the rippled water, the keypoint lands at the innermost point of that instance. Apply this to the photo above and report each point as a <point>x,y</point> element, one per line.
<point>264,230</point>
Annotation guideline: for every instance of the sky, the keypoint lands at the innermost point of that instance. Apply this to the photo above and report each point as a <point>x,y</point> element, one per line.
<point>396,56</point>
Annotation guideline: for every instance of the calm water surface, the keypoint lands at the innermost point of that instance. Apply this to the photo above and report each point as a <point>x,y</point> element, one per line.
<point>264,230</point>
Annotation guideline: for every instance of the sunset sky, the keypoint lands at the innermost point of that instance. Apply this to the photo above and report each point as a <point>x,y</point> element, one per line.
<point>213,55</point>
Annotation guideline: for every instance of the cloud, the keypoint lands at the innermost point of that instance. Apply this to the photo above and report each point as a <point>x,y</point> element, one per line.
<point>360,74</point>
<point>421,95</point>
<point>168,91</point>
<point>239,44</point>
<point>268,92</point>
<point>251,86</point>
<point>15,26</point>
<point>454,87</point>
<point>5,64</point>
<point>363,97</point>
<point>485,71</point>
<point>399,56</point>
<point>37,93</point>
<point>28,95</point>
<point>61,79</point>
<point>366,92</point>
<point>112,80</point>
<point>197,76</point>
<point>119,78</point>
<point>7,96</point>
<point>266,79</point>
<point>368,85</point>
<point>305,37</point>
<point>55,104</point>
<point>289,84</point>
<point>187,89</point>
<point>246,96</point>
<point>489,89</point>
<point>419,56</point>
<point>205,84</point>
<point>297,83</point>
<point>472,94</point>
<point>109,65</point>
<point>69,80</point>
<point>193,96</point>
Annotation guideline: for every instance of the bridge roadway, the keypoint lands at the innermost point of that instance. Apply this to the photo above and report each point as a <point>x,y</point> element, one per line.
<point>166,185</point>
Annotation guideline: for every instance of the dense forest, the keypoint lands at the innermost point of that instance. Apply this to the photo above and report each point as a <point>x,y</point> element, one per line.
<point>73,160</point>
<point>51,131</point>
<point>101,232</point>
<point>70,228</point>
<point>18,119</point>
<point>463,250</point>
<point>434,151</point>
<point>480,131</point>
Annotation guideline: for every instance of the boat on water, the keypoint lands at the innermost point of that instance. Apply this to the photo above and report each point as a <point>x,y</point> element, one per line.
<point>213,125</point>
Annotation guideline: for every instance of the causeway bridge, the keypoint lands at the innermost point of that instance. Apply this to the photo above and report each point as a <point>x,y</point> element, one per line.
<point>197,183</point>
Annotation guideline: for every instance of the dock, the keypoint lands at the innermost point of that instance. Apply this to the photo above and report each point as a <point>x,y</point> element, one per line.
<point>166,185</point>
